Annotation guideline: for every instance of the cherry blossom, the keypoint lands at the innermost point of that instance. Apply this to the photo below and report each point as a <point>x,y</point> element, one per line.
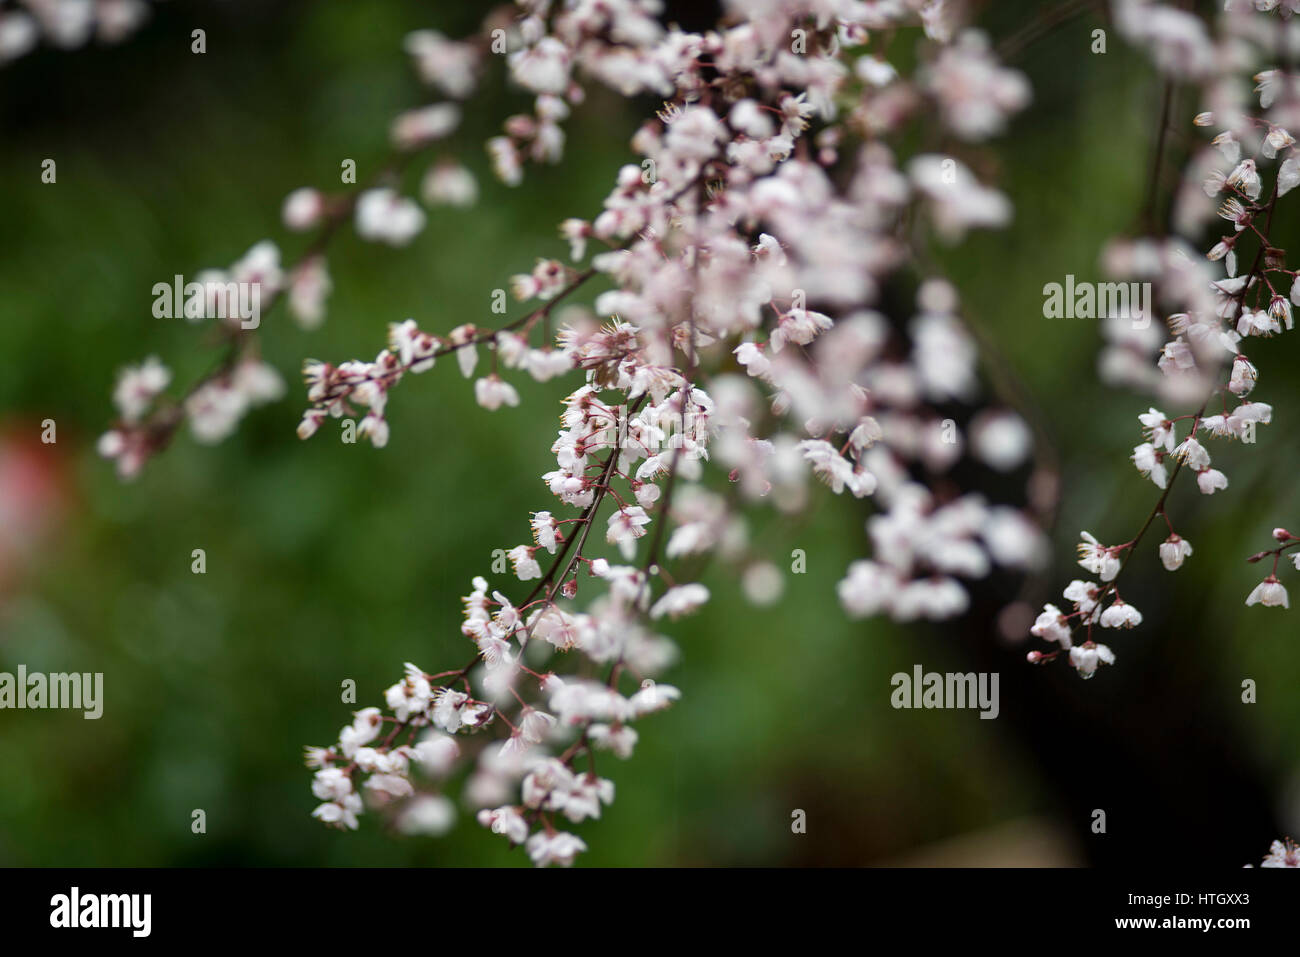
<point>1173,551</point>
<point>1269,593</point>
<point>1282,854</point>
<point>1087,657</point>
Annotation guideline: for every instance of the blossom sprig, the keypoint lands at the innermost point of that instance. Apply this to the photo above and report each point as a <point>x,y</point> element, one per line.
<point>331,389</point>
<point>744,254</point>
<point>594,715</point>
<point>1203,364</point>
<point>216,403</point>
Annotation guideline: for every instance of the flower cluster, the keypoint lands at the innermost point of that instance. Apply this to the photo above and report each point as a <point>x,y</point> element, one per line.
<point>214,407</point>
<point>379,213</point>
<point>1216,307</point>
<point>744,253</point>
